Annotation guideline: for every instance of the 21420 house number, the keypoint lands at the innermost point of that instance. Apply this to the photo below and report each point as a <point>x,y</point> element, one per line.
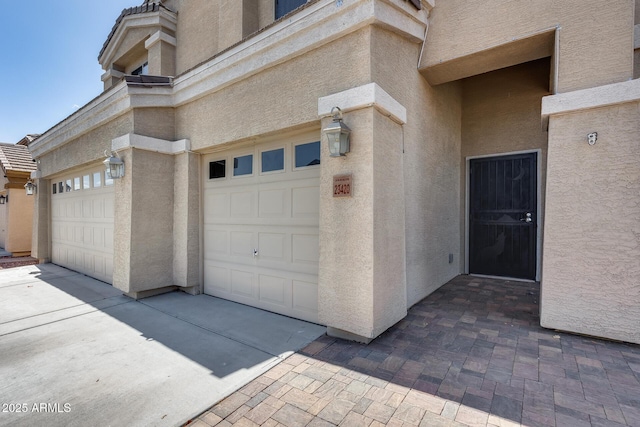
<point>342,185</point>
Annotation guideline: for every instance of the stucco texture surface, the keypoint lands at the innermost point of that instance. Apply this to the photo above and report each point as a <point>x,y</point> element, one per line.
<point>281,97</point>
<point>591,259</point>
<point>430,149</point>
<point>86,148</point>
<point>346,272</point>
<point>151,255</point>
<point>594,40</point>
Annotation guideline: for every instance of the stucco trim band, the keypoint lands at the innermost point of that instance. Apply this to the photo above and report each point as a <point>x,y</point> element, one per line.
<point>369,95</point>
<point>601,96</point>
<point>141,142</point>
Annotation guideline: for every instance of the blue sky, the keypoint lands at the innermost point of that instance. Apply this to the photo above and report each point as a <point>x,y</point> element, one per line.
<point>49,60</point>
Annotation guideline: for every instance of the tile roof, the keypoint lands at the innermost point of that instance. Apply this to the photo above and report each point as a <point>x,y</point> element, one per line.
<point>16,157</point>
<point>147,6</point>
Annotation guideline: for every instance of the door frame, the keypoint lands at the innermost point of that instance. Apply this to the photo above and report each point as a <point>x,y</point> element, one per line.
<point>539,213</point>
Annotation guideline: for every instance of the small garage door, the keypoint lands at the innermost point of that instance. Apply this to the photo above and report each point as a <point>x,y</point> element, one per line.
<point>261,213</point>
<point>82,222</point>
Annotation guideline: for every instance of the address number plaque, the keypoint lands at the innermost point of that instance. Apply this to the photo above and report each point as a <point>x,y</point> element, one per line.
<point>342,185</point>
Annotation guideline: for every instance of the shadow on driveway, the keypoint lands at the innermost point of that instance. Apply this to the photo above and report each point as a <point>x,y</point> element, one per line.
<point>96,357</point>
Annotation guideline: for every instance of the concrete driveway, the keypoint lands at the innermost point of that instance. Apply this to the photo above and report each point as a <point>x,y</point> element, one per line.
<point>75,351</point>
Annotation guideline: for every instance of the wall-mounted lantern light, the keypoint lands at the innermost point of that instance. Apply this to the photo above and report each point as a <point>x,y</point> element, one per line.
<point>114,166</point>
<point>30,187</point>
<point>4,199</point>
<point>337,134</point>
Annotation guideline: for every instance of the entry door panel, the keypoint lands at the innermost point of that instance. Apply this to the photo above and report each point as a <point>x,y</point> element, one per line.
<point>503,216</point>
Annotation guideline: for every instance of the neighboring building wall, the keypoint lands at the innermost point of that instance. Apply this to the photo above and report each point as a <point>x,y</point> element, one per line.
<point>594,38</point>
<point>592,223</point>
<point>3,216</point>
<point>19,220</point>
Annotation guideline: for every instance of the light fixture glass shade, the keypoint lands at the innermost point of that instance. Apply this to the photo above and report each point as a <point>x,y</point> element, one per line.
<point>114,167</point>
<point>30,188</point>
<point>3,199</point>
<point>337,134</point>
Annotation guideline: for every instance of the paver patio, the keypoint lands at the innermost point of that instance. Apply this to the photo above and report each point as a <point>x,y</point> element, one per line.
<point>470,354</point>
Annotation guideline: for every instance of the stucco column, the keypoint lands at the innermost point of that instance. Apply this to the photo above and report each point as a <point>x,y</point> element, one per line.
<point>186,222</point>
<point>161,48</point>
<point>41,233</point>
<point>362,282</point>
<point>591,261</point>
<point>143,234</point>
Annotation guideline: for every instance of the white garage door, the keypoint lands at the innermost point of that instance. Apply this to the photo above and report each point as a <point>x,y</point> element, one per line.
<point>261,213</point>
<point>82,223</point>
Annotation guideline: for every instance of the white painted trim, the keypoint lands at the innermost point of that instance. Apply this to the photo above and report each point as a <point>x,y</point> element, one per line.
<point>160,36</point>
<point>601,96</point>
<point>539,216</point>
<point>111,73</point>
<point>141,142</point>
<point>369,95</point>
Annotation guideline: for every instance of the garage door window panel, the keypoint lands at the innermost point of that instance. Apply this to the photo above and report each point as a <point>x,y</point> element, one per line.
<point>272,161</point>
<point>217,169</point>
<point>243,165</point>
<point>307,155</point>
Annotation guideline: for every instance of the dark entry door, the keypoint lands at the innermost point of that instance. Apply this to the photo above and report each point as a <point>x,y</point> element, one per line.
<point>502,216</point>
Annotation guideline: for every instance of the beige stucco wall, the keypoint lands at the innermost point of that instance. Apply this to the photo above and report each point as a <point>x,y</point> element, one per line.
<point>186,221</point>
<point>431,163</point>
<point>361,282</point>
<point>197,33</point>
<point>154,122</point>
<point>86,148</point>
<point>143,235</point>
<point>41,228</point>
<point>285,96</point>
<point>592,228</point>
<point>595,38</point>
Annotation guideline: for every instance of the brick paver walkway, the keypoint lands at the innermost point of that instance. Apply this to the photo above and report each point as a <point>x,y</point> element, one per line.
<point>471,354</point>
